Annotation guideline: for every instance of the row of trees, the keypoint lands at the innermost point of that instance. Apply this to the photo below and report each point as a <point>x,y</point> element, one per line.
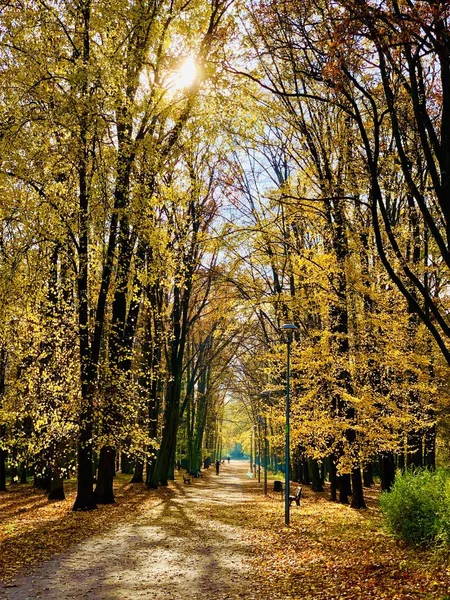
<point>157,232</point>
<point>114,313</point>
<point>345,193</point>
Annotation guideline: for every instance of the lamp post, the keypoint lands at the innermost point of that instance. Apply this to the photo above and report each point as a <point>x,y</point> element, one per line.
<point>288,329</point>
<point>265,456</point>
<point>258,462</point>
<point>263,421</point>
<point>255,450</point>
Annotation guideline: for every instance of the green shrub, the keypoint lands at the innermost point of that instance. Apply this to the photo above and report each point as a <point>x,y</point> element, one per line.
<point>417,509</point>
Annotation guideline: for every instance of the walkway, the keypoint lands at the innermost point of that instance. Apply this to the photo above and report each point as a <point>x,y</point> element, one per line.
<point>183,549</point>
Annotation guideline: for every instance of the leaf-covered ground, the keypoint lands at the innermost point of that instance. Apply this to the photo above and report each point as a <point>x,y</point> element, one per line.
<point>32,529</point>
<point>218,538</point>
<point>333,552</point>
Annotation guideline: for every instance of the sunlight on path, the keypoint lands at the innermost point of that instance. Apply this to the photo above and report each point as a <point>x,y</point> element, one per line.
<point>178,550</point>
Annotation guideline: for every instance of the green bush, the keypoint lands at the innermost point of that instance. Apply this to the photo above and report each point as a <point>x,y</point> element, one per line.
<point>417,509</point>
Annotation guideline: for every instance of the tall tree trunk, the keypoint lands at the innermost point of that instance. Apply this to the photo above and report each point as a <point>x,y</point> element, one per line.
<point>85,499</point>
<point>56,485</point>
<point>2,465</point>
<point>123,330</point>
<point>154,404</point>
<point>430,448</point>
<point>126,465</point>
<point>333,478</point>
<point>41,481</point>
<point>138,475</point>
<point>344,486</point>
<point>13,471</point>
<point>202,405</point>
<point>23,473</point>
<point>165,461</point>
<point>152,382</point>
<point>315,475</point>
<point>104,492</point>
<point>368,475</point>
<point>358,495</point>
<point>3,453</point>
<point>306,472</point>
<point>387,470</point>
<point>401,463</point>
<point>339,328</point>
<point>85,492</point>
<point>297,469</point>
<point>415,454</point>
<point>166,453</point>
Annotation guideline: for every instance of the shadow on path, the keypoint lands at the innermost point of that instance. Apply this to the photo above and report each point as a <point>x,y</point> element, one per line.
<point>178,550</point>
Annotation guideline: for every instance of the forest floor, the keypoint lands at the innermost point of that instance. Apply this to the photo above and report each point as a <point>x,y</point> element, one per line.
<point>218,538</point>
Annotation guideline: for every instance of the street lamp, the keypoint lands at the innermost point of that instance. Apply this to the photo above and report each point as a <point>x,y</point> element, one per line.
<point>288,331</point>
<point>263,423</point>
<point>251,451</point>
<point>257,450</point>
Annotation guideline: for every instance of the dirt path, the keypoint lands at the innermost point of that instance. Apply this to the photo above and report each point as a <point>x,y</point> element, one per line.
<point>182,549</point>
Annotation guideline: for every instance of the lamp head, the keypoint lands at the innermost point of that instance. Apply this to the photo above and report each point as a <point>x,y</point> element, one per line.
<point>288,330</point>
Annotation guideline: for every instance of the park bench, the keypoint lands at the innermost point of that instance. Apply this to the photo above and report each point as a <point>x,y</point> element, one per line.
<point>186,479</point>
<point>297,497</point>
<point>278,487</point>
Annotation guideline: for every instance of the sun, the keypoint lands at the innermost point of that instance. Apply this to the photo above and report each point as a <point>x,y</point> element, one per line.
<point>185,76</point>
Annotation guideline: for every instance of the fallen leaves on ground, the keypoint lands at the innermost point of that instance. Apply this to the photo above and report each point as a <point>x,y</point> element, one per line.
<point>333,552</point>
<point>32,529</point>
<point>330,552</point>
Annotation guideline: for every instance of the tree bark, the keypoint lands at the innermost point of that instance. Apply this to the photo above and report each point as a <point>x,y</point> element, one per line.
<point>138,475</point>
<point>126,465</point>
<point>104,492</point>
<point>3,452</point>
<point>2,470</point>
<point>357,486</point>
<point>306,476</point>
<point>165,461</point>
<point>368,475</point>
<point>162,468</point>
<point>387,470</point>
<point>333,478</point>
<point>315,475</point>
<point>430,448</point>
<point>414,457</point>
<point>41,481</point>
<point>344,485</point>
<point>23,473</point>
<point>56,491</point>
<point>85,492</point>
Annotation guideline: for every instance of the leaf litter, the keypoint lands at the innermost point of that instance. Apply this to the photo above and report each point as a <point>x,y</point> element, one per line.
<point>330,551</point>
